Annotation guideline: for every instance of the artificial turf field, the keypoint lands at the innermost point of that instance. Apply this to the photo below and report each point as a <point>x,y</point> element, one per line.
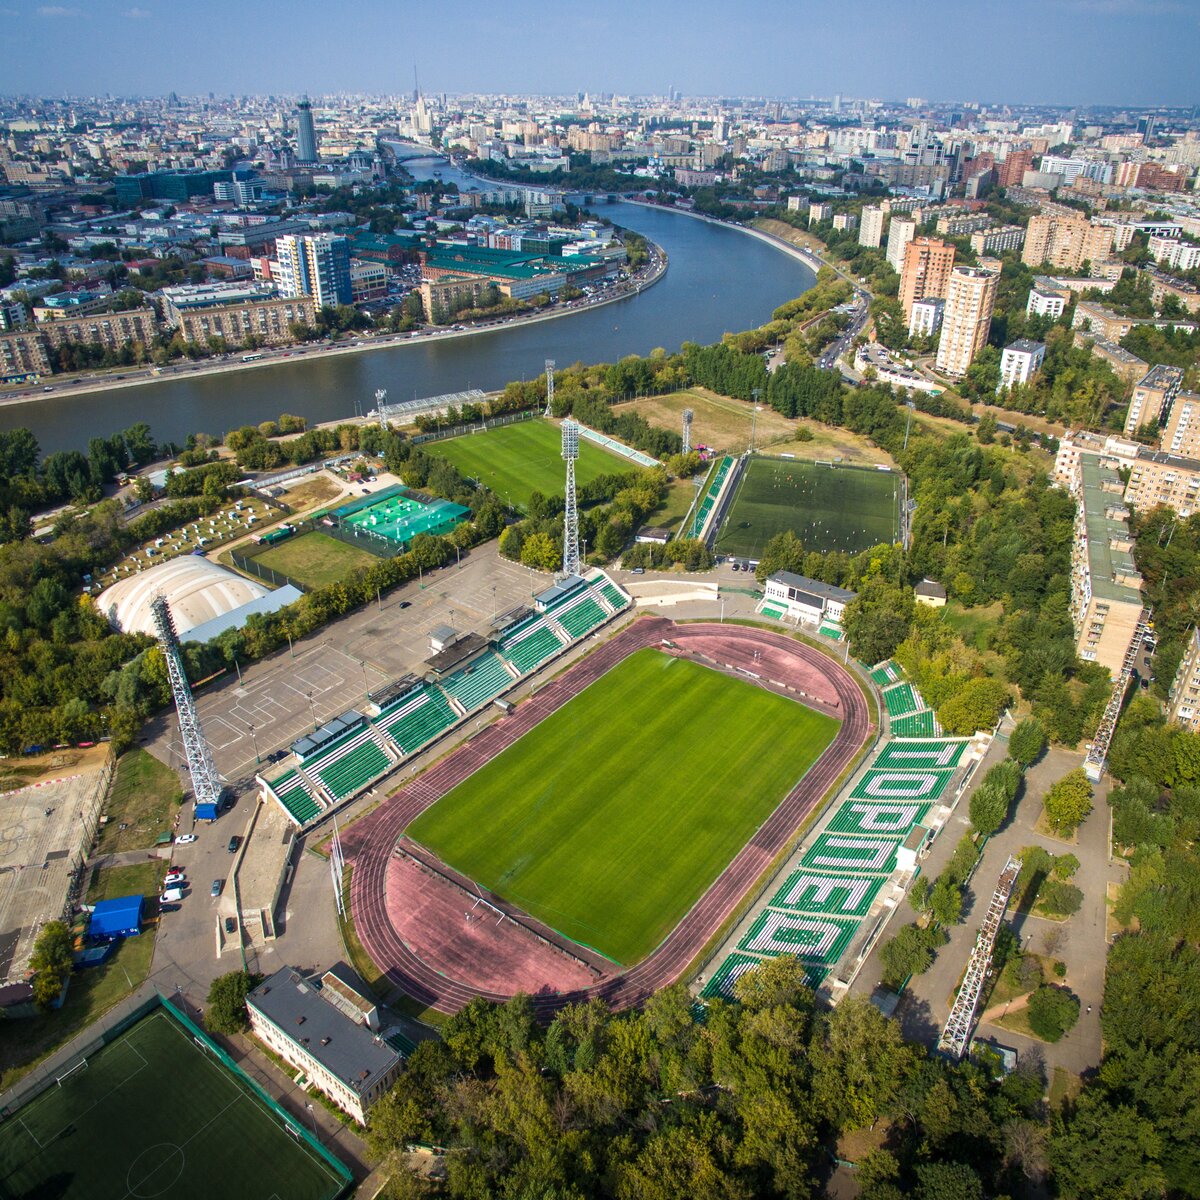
<point>152,1114</point>
<point>827,507</point>
<point>515,460</point>
<point>612,817</point>
<point>315,559</point>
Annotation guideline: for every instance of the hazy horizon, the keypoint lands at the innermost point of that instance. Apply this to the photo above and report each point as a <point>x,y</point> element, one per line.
<point>1123,53</point>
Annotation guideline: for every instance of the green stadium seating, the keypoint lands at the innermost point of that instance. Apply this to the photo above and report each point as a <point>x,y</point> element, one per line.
<point>832,631</point>
<point>886,674</point>
<point>351,766</point>
<point>530,651</point>
<point>614,597</point>
<point>484,679</point>
<point>415,723</point>
<point>901,700</point>
<point>710,498</point>
<point>582,617</point>
<point>916,725</point>
<point>294,796</point>
<point>772,610</point>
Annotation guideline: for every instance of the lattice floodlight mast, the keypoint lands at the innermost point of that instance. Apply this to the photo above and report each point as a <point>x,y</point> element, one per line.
<point>957,1033</point>
<point>205,784</point>
<point>549,388</point>
<point>688,416</point>
<point>570,452</point>
<point>337,868</point>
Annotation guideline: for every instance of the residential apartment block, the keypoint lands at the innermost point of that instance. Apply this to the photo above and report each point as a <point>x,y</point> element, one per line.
<point>870,229</point>
<point>1152,397</point>
<point>927,266</point>
<point>1065,242</point>
<point>1020,362</point>
<point>1181,435</point>
<point>1106,598</point>
<point>1045,304</point>
<point>998,240</point>
<point>1183,701</point>
<point>901,231</point>
<point>926,317</point>
<point>967,319</point>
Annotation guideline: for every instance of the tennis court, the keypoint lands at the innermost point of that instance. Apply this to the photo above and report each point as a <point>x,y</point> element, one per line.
<point>156,1113</point>
<point>827,507</point>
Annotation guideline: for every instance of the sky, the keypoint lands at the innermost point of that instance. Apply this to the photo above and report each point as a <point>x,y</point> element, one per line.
<point>1066,52</point>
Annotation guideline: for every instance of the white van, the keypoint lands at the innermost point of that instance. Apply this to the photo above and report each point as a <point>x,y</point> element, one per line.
<point>171,896</point>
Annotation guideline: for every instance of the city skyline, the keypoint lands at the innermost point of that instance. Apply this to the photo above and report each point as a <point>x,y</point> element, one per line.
<point>1125,53</point>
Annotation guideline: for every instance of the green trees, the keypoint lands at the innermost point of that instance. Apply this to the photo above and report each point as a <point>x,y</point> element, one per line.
<point>226,1012</point>
<point>991,799</point>
<point>978,705</point>
<point>1068,802</point>
<point>1027,742</point>
<point>1052,1012</point>
<point>909,952</point>
<point>51,962</point>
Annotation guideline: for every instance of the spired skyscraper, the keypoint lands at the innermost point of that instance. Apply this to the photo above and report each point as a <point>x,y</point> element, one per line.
<point>306,133</point>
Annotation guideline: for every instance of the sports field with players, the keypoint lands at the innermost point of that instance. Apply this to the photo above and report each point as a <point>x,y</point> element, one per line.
<point>515,460</point>
<point>608,820</point>
<point>155,1113</point>
<point>828,507</point>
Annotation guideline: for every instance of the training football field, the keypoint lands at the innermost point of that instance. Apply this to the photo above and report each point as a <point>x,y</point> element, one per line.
<point>515,460</point>
<point>153,1114</point>
<point>612,817</point>
<point>315,559</point>
<point>827,507</point>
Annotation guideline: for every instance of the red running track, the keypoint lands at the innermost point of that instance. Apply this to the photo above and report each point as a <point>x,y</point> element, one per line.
<point>368,843</point>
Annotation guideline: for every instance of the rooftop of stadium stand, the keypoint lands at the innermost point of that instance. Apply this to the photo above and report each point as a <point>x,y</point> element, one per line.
<point>814,587</point>
<point>197,591</point>
<point>1107,564</point>
<point>456,653</point>
<point>556,591</point>
<point>343,723</point>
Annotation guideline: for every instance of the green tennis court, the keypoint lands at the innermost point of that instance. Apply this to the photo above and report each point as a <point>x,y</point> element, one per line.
<point>155,1113</point>
<point>827,507</point>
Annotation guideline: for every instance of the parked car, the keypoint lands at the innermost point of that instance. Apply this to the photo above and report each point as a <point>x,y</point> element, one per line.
<point>175,879</point>
<point>217,885</point>
<point>234,843</point>
<point>185,839</point>
<point>171,896</point>
<point>230,925</point>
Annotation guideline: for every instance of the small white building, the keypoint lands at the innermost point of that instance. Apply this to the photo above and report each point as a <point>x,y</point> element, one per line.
<point>930,593</point>
<point>805,599</point>
<point>1020,362</point>
<point>1045,304</point>
<point>926,317</point>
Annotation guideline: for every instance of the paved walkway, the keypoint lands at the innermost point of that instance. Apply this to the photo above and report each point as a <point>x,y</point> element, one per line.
<point>1081,944</point>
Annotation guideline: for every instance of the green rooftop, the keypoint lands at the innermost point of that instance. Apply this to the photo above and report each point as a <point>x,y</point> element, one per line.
<point>1106,563</point>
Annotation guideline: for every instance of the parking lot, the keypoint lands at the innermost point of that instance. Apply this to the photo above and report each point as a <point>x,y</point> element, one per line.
<point>281,698</point>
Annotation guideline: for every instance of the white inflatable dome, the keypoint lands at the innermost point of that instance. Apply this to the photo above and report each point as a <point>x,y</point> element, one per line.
<point>197,591</point>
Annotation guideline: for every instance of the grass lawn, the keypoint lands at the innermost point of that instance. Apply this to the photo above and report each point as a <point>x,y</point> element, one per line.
<point>108,883</point>
<point>155,1114</point>
<point>144,798</point>
<point>828,508</point>
<point>515,460</point>
<point>973,624</point>
<point>614,815</point>
<point>719,421</point>
<point>673,507</point>
<point>315,559</point>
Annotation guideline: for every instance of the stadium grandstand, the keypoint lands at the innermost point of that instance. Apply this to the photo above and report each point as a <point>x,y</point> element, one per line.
<point>831,905</point>
<point>467,672</point>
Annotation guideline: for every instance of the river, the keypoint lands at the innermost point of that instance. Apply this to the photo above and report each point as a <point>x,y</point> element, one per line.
<point>719,280</point>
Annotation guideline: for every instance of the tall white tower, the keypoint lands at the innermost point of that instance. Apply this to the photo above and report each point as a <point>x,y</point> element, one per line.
<point>570,452</point>
<point>205,784</point>
<point>549,388</point>
<point>688,415</point>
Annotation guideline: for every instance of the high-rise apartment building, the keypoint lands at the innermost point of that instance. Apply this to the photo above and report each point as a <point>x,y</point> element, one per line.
<point>306,133</point>
<point>314,265</point>
<point>1152,397</point>
<point>1182,433</point>
<point>1065,242</point>
<point>870,231</point>
<point>970,299</point>
<point>1183,702</point>
<point>901,231</point>
<point>1012,170</point>
<point>927,266</point>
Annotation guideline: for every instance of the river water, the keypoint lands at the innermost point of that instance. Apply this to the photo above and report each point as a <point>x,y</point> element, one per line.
<point>719,280</point>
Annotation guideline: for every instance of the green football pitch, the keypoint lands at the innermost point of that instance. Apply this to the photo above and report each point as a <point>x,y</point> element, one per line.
<point>826,507</point>
<point>613,816</point>
<point>515,460</point>
<point>315,559</point>
<point>153,1114</point>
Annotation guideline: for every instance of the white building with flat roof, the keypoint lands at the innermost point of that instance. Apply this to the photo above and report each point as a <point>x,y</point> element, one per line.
<point>1020,362</point>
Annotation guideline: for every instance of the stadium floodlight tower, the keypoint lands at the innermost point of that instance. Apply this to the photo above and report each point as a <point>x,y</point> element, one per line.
<point>688,416</point>
<point>570,452</point>
<point>380,397</point>
<point>205,783</point>
<point>549,388</point>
